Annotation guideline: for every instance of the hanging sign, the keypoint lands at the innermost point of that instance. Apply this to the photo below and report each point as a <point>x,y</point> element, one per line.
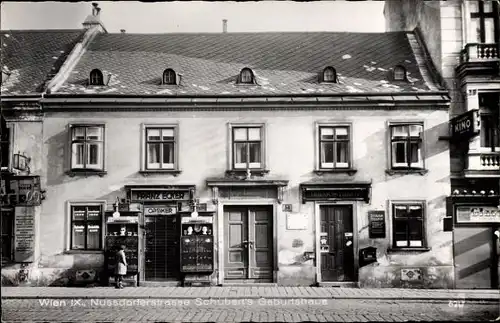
<point>465,126</point>
<point>24,234</point>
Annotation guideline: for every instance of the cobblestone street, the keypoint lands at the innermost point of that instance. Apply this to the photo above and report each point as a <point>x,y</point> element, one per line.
<point>237,310</point>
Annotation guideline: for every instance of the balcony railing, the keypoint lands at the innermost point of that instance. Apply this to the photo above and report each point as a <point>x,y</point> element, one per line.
<point>484,161</point>
<point>480,52</point>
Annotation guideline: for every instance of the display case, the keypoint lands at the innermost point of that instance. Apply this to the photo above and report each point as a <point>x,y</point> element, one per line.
<point>123,230</point>
<point>197,249</point>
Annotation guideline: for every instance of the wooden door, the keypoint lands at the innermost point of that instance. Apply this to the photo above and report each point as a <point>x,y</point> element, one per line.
<point>476,258</point>
<point>336,243</point>
<point>248,244</point>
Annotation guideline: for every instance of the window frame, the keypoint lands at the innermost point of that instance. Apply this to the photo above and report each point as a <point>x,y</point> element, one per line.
<point>252,76</point>
<point>231,150</point>
<point>489,111</point>
<point>102,224</point>
<point>319,166</point>
<point>481,15</point>
<point>98,79</point>
<point>334,71</point>
<point>423,217</point>
<point>144,144</point>
<point>172,73</point>
<point>72,127</point>
<point>409,168</point>
<point>403,70</point>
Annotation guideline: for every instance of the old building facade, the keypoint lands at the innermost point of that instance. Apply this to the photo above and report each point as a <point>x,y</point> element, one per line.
<point>463,38</point>
<point>298,158</point>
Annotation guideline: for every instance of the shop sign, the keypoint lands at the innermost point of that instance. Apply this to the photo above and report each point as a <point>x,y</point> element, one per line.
<point>376,228</point>
<point>159,195</point>
<point>465,126</point>
<point>325,194</point>
<point>24,234</point>
<point>480,214</point>
<point>160,210</point>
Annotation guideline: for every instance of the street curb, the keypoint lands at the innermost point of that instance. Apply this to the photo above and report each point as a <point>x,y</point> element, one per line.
<point>413,298</point>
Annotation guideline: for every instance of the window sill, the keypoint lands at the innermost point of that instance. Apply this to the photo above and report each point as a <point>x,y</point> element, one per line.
<point>406,171</point>
<point>174,172</point>
<point>350,171</point>
<point>243,172</point>
<point>79,252</point>
<point>396,250</point>
<point>86,172</point>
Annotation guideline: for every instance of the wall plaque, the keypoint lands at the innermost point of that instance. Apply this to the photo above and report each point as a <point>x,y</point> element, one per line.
<point>376,228</point>
<point>24,234</point>
<point>296,221</point>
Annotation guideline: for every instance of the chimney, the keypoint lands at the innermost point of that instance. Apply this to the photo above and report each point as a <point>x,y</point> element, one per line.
<point>122,31</point>
<point>93,20</point>
<point>224,25</point>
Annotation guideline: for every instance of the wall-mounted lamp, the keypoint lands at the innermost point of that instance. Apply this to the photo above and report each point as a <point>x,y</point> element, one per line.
<point>21,162</point>
<point>116,214</point>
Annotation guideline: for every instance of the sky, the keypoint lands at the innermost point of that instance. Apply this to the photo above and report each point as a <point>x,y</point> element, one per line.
<point>199,16</point>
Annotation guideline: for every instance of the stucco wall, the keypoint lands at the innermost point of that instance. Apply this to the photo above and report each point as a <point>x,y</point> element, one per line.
<point>290,140</point>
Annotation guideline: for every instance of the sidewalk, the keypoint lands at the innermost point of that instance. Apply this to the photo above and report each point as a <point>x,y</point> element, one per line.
<point>281,292</point>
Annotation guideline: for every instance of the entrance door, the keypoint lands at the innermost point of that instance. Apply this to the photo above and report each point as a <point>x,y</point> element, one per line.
<point>161,248</point>
<point>248,236</point>
<point>336,243</point>
<point>476,258</point>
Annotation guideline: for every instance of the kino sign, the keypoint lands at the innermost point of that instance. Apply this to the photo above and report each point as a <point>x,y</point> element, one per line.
<point>465,126</point>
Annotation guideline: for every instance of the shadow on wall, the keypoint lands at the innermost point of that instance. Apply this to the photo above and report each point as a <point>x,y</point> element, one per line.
<point>56,159</point>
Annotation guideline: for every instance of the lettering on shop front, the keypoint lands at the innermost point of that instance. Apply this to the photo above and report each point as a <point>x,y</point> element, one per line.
<point>158,195</point>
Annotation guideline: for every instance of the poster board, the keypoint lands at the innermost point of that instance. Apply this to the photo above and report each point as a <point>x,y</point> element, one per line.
<point>24,234</point>
<point>376,228</point>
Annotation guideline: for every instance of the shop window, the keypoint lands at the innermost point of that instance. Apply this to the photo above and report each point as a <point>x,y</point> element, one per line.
<point>7,229</point>
<point>4,144</point>
<point>161,147</point>
<point>247,144</point>
<point>406,146</point>
<point>87,147</point>
<point>484,22</point>
<point>408,225</point>
<point>86,227</point>
<point>334,147</point>
<point>96,77</point>
<point>169,77</point>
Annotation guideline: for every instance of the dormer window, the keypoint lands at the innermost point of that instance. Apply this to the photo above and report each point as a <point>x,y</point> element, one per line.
<point>329,75</point>
<point>246,76</point>
<point>169,77</point>
<point>96,77</point>
<point>399,73</point>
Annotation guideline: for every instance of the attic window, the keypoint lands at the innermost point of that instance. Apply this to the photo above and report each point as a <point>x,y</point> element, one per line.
<point>169,77</point>
<point>96,77</point>
<point>246,76</point>
<point>399,73</point>
<point>329,75</point>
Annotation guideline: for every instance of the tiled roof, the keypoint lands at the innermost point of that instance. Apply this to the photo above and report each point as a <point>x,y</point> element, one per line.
<point>284,63</point>
<point>33,57</point>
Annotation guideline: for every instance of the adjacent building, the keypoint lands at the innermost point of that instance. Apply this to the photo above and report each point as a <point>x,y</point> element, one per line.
<point>463,38</point>
<point>312,158</point>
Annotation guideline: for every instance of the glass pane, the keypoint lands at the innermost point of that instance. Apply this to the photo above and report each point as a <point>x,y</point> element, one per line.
<point>77,155</point>
<point>240,134</point>
<point>78,236</point>
<point>489,31</point>
<point>246,76</point>
<point>254,153</point>
<point>399,153</point>
<point>488,6</point>
<point>416,130</point>
<point>400,211</point>
<point>79,213</point>
<point>168,155</point>
<point>473,6</point>
<point>415,211</point>
<point>94,133</point>
<point>254,134</point>
<point>153,134</point>
<point>94,155</point>
<point>326,152</point>
<point>415,152</point>
<point>153,155</point>
<point>168,134</point>
<point>341,133</point>
<point>415,230</point>
<point>94,213</point>
<point>326,133</point>
<point>240,153</point>
<point>399,131</point>
<point>78,133</point>
<point>474,31</point>
<point>329,75</point>
<point>93,236</point>
<point>342,152</point>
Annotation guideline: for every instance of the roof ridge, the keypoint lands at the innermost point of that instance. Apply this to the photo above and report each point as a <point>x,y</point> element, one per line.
<point>260,33</point>
<point>40,30</point>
